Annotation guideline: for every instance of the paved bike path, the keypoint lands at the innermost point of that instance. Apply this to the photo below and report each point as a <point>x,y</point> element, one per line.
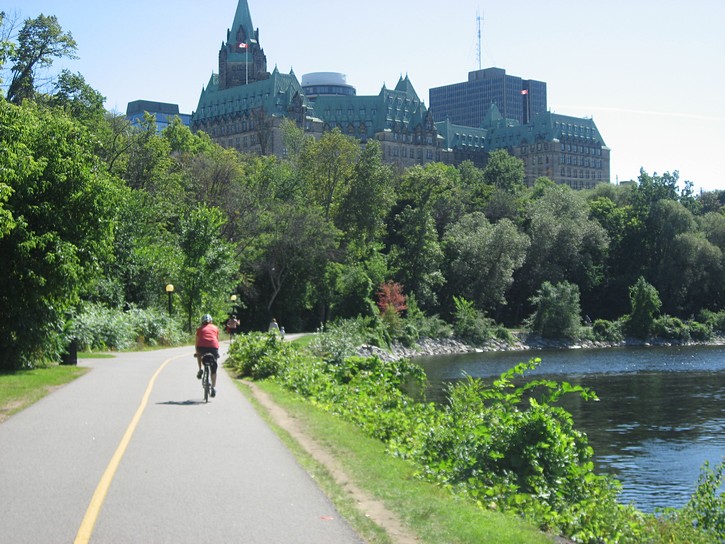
<point>190,472</point>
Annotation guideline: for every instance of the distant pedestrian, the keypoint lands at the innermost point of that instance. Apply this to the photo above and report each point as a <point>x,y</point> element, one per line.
<point>231,326</point>
<point>281,332</point>
<point>273,326</point>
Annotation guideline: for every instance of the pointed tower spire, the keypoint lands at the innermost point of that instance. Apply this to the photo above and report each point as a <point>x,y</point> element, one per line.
<point>241,59</point>
<point>242,29</point>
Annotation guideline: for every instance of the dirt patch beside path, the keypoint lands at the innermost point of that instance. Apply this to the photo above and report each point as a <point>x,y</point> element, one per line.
<point>368,505</point>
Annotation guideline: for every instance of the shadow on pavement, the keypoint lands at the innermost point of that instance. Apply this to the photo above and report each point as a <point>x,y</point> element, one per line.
<point>181,402</point>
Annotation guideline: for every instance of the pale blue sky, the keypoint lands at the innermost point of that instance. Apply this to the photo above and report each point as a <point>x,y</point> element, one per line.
<point>650,72</point>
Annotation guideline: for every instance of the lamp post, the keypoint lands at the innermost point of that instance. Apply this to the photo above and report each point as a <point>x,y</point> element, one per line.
<point>233,300</point>
<point>169,291</point>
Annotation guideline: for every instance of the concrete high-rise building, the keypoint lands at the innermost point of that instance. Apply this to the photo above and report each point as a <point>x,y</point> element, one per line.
<point>467,103</point>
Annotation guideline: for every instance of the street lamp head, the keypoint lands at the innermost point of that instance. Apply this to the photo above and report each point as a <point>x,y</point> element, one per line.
<point>169,288</point>
<point>233,298</point>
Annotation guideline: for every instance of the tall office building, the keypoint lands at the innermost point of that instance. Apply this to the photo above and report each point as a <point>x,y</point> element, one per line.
<point>467,103</point>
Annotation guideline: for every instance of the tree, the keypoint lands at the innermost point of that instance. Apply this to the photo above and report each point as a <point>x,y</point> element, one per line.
<point>40,42</point>
<point>482,259</point>
<point>566,244</point>
<point>327,165</point>
<point>557,311</point>
<point>691,276</point>
<point>415,254</point>
<point>59,218</point>
<point>208,268</point>
<point>80,100</point>
<point>435,187</point>
<point>645,303</point>
<point>290,255</point>
<point>369,199</point>
<point>504,172</point>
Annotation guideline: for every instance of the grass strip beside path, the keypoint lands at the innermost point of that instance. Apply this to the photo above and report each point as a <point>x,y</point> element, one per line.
<point>20,389</point>
<point>424,512</point>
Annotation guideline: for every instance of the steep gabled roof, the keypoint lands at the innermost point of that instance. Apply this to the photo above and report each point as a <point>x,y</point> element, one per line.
<point>546,127</point>
<point>400,106</point>
<point>274,95</point>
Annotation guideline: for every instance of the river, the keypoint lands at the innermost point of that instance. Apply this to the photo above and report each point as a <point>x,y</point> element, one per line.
<point>660,415</point>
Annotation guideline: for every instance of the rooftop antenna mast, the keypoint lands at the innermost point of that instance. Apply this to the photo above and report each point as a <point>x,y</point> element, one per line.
<point>479,20</point>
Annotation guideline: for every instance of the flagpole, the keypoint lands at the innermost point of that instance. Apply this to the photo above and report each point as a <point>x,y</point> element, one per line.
<point>246,65</point>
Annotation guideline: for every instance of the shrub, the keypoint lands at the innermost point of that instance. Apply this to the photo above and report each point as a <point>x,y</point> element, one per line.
<point>425,326</point>
<point>471,325</point>
<point>608,331</point>
<point>259,355</point>
<point>97,327</point>
<point>671,328</point>
<point>557,311</point>
<point>341,338</point>
<point>700,331</point>
<point>645,302</point>
<point>714,320</point>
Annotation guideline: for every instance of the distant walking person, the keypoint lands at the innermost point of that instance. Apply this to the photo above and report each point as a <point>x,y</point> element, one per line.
<point>273,327</point>
<point>231,326</point>
<point>207,341</point>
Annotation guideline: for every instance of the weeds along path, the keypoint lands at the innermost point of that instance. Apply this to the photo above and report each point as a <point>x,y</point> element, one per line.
<point>368,505</point>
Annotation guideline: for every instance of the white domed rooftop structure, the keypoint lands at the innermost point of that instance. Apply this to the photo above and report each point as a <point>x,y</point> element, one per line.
<point>326,84</point>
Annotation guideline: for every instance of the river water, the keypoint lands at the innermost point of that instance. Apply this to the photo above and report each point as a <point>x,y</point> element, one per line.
<point>660,416</point>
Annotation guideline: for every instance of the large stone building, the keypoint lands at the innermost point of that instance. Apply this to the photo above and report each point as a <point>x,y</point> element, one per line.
<point>243,106</point>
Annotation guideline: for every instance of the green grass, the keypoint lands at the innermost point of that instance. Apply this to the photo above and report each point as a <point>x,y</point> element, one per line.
<point>20,389</point>
<point>92,355</point>
<point>433,514</point>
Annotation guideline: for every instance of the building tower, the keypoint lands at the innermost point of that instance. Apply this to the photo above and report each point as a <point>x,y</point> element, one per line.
<point>241,58</point>
<point>468,102</point>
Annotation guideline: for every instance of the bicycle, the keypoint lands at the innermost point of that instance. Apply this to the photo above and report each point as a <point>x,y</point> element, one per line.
<point>207,360</point>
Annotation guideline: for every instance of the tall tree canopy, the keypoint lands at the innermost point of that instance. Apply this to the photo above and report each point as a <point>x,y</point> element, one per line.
<point>39,42</point>
<point>59,218</point>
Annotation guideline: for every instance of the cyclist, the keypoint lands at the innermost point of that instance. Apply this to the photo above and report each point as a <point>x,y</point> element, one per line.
<point>207,341</point>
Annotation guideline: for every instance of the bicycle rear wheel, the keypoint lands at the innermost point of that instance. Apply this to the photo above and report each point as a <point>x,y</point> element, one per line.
<point>205,383</point>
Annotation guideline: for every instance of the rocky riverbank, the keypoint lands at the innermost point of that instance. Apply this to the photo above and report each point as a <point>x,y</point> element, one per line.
<point>450,346</point>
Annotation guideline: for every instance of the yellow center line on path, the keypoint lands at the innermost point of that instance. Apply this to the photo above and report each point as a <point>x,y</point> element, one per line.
<point>99,496</point>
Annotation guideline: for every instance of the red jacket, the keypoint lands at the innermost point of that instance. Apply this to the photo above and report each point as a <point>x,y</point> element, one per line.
<point>207,336</point>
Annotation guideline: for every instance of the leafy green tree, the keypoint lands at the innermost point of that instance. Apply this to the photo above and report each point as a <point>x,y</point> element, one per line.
<point>435,187</point>
<point>146,253</point>
<point>691,276</point>
<point>416,255</point>
<point>6,45</point>
<point>566,244</point>
<point>474,189</point>
<point>39,42</point>
<point>208,269</point>
<point>646,304</point>
<point>58,223</point>
<point>148,158</point>
<point>504,172</point>
<point>328,165</point>
<point>370,197</point>
<point>80,100</point>
<point>482,259</point>
<point>557,311</point>
<point>289,258</point>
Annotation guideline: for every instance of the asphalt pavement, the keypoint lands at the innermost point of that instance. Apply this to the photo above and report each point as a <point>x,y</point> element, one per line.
<point>130,453</point>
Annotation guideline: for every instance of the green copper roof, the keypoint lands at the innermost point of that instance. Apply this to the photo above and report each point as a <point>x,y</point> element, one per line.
<point>378,113</point>
<point>545,126</point>
<point>274,95</point>
<point>459,136</point>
